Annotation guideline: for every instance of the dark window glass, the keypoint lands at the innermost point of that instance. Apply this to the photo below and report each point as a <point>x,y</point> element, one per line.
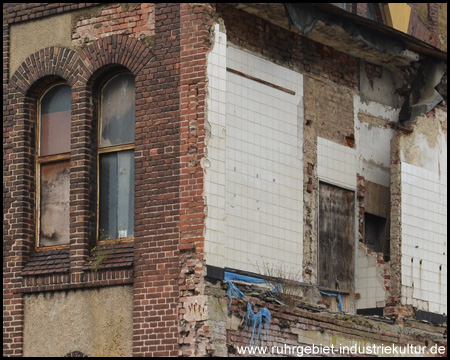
<point>55,121</point>
<point>116,195</point>
<point>116,158</point>
<point>117,111</point>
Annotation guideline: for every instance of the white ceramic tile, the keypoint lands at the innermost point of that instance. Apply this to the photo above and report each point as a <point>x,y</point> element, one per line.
<point>336,163</point>
<point>423,218</point>
<point>261,134</point>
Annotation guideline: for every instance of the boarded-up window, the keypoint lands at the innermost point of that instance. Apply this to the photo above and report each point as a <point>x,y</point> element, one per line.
<point>53,166</point>
<point>116,158</point>
<point>55,186</point>
<point>336,237</point>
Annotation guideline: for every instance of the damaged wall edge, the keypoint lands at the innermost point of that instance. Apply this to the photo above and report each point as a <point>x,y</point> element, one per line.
<point>423,96</point>
<point>398,51</point>
<point>305,18</point>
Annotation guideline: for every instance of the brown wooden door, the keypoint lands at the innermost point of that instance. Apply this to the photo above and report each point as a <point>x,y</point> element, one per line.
<point>336,237</point>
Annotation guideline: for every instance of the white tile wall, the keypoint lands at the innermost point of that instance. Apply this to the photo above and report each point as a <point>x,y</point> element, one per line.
<point>375,153</point>
<point>215,174</point>
<point>264,177</point>
<point>368,284</point>
<point>424,237</point>
<point>336,164</point>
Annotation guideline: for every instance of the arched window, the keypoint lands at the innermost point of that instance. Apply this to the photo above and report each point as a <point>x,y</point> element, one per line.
<point>53,166</point>
<point>116,158</point>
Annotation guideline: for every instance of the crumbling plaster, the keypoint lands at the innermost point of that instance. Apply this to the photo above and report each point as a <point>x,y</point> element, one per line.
<point>378,84</point>
<point>373,133</point>
<point>426,146</point>
<point>306,326</point>
<point>370,279</point>
<point>328,114</point>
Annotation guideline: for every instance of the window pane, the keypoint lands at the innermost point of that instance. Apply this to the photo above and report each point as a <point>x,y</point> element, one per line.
<point>116,195</point>
<point>54,202</point>
<point>55,120</point>
<point>117,111</point>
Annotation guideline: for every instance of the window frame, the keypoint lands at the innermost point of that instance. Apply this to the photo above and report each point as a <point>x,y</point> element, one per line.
<point>109,150</point>
<point>46,159</point>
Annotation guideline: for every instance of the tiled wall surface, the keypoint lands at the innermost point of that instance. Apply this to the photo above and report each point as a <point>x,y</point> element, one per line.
<point>336,164</point>
<point>424,239</point>
<point>264,176</point>
<point>256,215</point>
<point>368,284</point>
<point>373,140</point>
<point>215,163</point>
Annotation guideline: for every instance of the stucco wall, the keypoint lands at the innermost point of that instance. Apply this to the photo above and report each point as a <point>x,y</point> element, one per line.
<point>29,37</point>
<point>95,322</point>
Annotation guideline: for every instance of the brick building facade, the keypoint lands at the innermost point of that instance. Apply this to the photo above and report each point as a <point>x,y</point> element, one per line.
<point>248,123</point>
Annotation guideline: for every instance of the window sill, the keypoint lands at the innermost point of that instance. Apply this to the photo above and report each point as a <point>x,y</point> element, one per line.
<point>48,262</point>
<point>111,255</point>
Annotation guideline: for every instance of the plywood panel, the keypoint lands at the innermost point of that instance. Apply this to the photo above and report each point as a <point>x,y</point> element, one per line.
<point>336,237</point>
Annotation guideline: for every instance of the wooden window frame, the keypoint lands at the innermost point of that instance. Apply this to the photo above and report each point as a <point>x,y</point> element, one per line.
<point>44,159</point>
<point>107,150</point>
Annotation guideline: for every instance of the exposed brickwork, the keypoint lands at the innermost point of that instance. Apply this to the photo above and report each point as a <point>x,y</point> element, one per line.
<point>419,29</point>
<point>424,22</point>
<point>373,71</point>
<point>196,22</point>
<point>134,20</point>
<point>165,46</point>
<point>88,279</point>
<point>361,9</point>
<point>295,327</point>
<point>157,184</point>
<point>393,307</point>
<point>360,195</point>
<point>75,267</point>
<point>288,49</point>
<point>424,27</point>
<point>16,12</point>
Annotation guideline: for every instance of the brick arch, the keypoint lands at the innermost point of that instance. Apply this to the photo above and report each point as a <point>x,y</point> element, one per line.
<point>119,50</point>
<point>52,61</point>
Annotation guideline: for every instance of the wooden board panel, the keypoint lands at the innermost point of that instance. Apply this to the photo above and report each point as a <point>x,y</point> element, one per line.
<point>336,237</point>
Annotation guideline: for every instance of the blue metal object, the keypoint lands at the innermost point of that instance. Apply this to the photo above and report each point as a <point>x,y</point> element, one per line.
<point>334,294</point>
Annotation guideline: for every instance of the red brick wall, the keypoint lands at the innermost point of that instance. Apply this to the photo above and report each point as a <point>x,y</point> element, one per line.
<point>154,60</point>
<point>157,188</point>
<point>195,21</point>
<point>165,46</point>
<point>16,12</point>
